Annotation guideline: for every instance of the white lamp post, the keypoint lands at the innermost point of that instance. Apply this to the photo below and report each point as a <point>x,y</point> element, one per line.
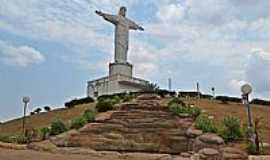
<point>25,100</point>
<point>246,90</point>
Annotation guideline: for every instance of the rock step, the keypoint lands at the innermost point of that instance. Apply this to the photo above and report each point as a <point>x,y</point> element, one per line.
<point>159,145</point>
<point>134,128</point>
<point>139,114</point>
<point>145,105</point>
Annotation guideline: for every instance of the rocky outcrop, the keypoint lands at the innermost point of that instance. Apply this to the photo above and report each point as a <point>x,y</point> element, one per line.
<point>209,154</point>
<point>137,128</point>
<point>141,126</point>
<point>208,140</point>
<point>229,153</point>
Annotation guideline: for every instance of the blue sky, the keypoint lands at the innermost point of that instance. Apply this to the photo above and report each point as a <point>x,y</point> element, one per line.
<point>49,49</point>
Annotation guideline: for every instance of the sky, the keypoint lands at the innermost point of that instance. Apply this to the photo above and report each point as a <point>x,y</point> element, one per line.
<point>49,49</point>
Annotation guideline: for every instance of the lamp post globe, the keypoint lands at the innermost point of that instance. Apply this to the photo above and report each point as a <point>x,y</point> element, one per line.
<point>26,99</point>
<point>246,89</point>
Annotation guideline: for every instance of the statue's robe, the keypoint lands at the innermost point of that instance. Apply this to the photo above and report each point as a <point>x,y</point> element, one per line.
<point>122,27</point>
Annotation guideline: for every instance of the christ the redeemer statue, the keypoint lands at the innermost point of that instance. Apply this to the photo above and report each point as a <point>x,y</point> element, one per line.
<point>122,27</point>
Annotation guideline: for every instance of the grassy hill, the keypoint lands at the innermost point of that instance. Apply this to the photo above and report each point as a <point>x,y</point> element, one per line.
<point>214,108</point>
<point>40,120</point>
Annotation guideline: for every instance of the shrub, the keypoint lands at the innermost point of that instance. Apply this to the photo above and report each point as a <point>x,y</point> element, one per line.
<point>206,96</point>
<point>4,138</point>
<point>89,115</point>
<point>176,101</point>
<point>104,105</point>
<point>78,123</point>
<point>21,139</point>
<point>150,87</point>
<point>251,148</point>
<point>45,132</point>
<point>225,99</point>
<point>260,102</point>
<point>115,100</point>
<point>164,92</point>
<point>57,127</point>
<point>74,102</point>
<point>188,94</point>
<point>38,110</point>
<point>231,129</point>
<point>205,124</point>
<point>178,108</point>
<point>127,98</point>
<point>47,108</point>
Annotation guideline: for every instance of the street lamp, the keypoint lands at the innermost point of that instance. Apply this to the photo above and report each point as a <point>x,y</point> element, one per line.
<point>25,100</point>
<point>213,92</point>
<point>246,90</point>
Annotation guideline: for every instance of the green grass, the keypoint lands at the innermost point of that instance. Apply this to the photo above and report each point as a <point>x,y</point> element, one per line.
<point>41,120</point>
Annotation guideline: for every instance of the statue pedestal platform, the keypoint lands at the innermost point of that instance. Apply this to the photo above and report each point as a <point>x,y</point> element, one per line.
<point>116,83</point>
<point>120,68</point>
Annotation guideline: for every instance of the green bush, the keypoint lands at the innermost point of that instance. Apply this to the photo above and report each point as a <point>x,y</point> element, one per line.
<point>115,100</point>
<point>104,105</point>
<point>231,129</point>
<point>127,98</point>
<point>205,124</point>
<point>5,138</point>
<point>45,131</point>
<point>178,108</point>
<point>78,122</point>
<point>176,101</point>
<point>18,139</point>
<point>89,115</point>
<point>251,148</point>
<point>57,127</point>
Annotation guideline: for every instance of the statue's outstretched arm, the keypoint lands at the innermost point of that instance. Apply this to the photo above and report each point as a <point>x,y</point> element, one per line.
<point>108,17</point>
<point>134,26</point>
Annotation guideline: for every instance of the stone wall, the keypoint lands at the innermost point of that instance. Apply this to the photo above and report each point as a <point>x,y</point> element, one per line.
<point>147,126</point>
<point>143,126</point>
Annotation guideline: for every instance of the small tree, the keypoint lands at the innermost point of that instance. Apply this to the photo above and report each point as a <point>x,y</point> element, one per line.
<point>57,127</point>
<point>150,87</point>
<point>205,124</point>
<point>38,110</point>
<point>89,115</point>
<point>78,122</point>
<point>47,108</point>
<point>45,132</point>
<point>104,105</point>
<point>231,129</point>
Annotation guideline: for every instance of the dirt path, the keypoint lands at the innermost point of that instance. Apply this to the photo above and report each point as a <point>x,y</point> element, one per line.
<point>33,155</point>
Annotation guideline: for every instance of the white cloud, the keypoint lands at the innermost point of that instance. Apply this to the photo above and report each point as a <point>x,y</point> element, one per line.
<point>235,85</point>
<point>19,55</point>
<point>171,12</point>
<point>212,32</point>
<point>258,70</point>
<point>145,60</point>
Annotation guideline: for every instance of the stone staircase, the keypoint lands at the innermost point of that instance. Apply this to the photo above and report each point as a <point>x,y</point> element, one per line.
<point>141,126</point>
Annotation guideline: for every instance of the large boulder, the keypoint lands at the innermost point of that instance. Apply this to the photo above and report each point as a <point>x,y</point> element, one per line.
<point>209,154</point>
<point>230,153</point>
<point>63,140</point>
<point>208,140</point>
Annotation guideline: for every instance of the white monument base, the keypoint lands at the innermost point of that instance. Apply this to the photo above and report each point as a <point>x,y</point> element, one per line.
<point>116,83</point>
<point>120,68</point>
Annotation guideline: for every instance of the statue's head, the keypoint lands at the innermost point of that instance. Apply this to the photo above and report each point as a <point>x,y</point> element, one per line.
<point>123,11</point>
